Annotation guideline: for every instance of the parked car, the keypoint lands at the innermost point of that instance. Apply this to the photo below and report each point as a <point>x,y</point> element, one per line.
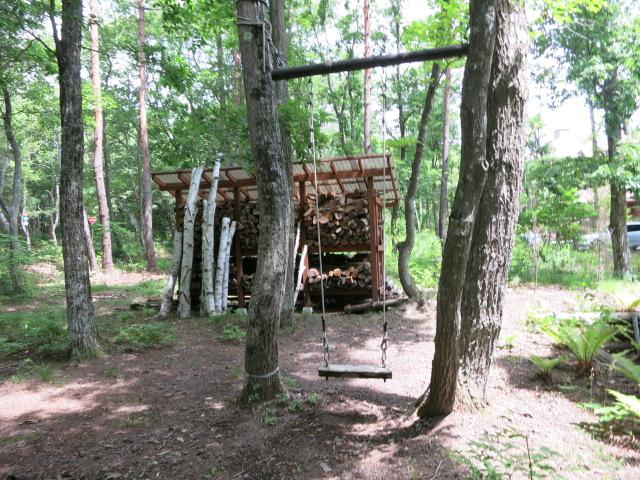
<point>590,240</point>
<point>633,235</point>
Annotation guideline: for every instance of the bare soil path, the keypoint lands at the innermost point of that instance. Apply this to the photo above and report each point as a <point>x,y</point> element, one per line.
<point>171,413</point>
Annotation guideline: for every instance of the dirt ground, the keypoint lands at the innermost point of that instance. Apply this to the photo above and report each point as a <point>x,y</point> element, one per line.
<point>171,413</point>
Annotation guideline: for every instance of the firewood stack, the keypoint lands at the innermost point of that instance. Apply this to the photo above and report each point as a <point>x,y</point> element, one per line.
<point>247,224</point>
<point>355,276</point>
<point>344,219</point>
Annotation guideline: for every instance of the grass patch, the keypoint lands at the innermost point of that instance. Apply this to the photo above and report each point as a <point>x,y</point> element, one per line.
<point>147,335</point>
<point>43,372</point>
<point>19,437</point>
<point>40,333</point>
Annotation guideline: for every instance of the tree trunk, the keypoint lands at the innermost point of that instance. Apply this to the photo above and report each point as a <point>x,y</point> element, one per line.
<point>98,139</point>
<point>167,296</point>
<point>275,190</point>
<point>88,240</point>
<point>188,243</point>
<point>147,199</point>
<point>473,172</point>
<point>222,93</point>
<point>227,260</point>
<point>15,216</point>
<point>55,217</point>
<point>444,176</point>
<point>366,10</point>
<point>618,215</point>
<point>495,227</point>
<point>208,244</point>
<point>279,34</point>
<point>82,329</point>
<point>220,264</point>
<point>406,247</point>
<point>24,226</point>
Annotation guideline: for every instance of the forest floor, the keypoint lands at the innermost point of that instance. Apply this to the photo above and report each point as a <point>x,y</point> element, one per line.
<point>171,412</point>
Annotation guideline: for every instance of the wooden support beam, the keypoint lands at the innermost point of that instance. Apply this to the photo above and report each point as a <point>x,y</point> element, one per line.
<point>313,69</point>
<point>335,172</point>
<point>237,248</point>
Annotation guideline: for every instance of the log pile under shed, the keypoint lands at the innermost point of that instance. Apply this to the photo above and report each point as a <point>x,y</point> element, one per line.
<point>351,195</point>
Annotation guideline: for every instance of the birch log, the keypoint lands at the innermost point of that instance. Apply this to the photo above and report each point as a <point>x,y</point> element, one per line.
<point>208,244</point>
<point>301,268</point>
<point>224,233</point>
<point>184,309</point>
<point>167,296</point>
<point>227,257</point>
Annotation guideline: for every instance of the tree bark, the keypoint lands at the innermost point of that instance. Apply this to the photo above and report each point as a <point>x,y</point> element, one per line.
<point>15,216</point>
<point>147,199</point>
<point>618,214</point>
<point>227,260</point>
<point>82,329</point>
<point>473,171</point>
<point>208,244</point>
<point>184,308</point>
<point>88,240</point>
<point>366,10</point>
<point>279,34</point>
<point>176,262</point>
<point>495,227</point>
<point>24,226</point>
<point>406,247</point>
<point>444,175</point>
<point>220,264</point>
<point>275,190</point>
<point>98,139</point>
<point>55,217</point>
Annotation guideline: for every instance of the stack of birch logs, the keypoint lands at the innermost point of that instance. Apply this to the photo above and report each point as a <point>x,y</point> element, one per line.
<point>193,238</point>
<point>355,276</point>
<point>343,218</point>
<point>247,223</point>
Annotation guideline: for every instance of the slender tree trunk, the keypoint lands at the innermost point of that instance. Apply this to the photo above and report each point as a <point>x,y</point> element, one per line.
<point>98,138</point>
<point>444,176</point>
<point>83,336</point>
<point>24,226</point>
<point>55,217</point>
<point>618,214</point>
<point>279,34</point>
<point>147,201</point>
<point>495,226</point>
<point>275,190</point>
<point>406,247</point>
<point>222,93</point>
<point>170,286</point>
<point>4,222</point>
<point>208,244</point>
<point>88,239</point>
<point>15,216</point>
<point>367,77</point>
<point>473,173</point>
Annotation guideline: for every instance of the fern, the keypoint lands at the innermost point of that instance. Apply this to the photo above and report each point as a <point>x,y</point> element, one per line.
<point>545,365</point>
<point>583,341</point>
<point>628,368</point>
<point>630,403</point>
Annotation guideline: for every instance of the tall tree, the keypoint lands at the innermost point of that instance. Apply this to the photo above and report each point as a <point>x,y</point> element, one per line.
<point>482,225</point>
<point>275,190</point>
<point>279,34</point>
<point>366,9</point>
<point>98,138</point>
<point>147,198</point>
<point>15,216</point>
<point>406,246</point>
<point>473,171</point>
<point>444,175</point>
<point>83,337</point>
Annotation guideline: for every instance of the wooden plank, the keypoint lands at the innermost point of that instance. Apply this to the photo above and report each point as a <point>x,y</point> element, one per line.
<point>354,371</point>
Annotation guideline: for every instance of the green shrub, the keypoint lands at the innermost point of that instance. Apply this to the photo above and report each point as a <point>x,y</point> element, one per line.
<point>233,333</point>
<point>148,335</point>
<point>545,365</point>
<point>582,340</point>
<point>506,455</point>
<point>43,333</point>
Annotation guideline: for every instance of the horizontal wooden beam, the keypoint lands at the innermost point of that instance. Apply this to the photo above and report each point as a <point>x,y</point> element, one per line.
<point>370,62</point>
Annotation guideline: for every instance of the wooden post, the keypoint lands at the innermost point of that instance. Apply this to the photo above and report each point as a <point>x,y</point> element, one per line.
<point>207,302</point>
<point>238,248</point>
<point>227,260</point>
<point>375,253</point>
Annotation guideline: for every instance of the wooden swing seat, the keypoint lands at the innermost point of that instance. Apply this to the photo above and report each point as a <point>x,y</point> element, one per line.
<point>354,371</point>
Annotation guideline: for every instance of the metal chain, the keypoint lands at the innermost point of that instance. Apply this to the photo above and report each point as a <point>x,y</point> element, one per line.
<point>267,41</point>
<point>385,336</point>
<point>326,348</point>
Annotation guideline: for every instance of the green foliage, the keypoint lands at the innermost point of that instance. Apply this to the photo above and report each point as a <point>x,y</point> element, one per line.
<point>148,335</point>
<point>270,417</point>
<point>506,455</point>
<point>233,333</point>
<point>627,367</point>
<point>42,333</point>
<point>545,365</point>
<point>583,340</point>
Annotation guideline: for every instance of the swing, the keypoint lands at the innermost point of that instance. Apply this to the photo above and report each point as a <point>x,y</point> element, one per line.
<point>341,370</point>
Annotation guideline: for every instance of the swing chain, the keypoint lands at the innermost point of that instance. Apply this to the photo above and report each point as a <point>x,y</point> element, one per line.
<point>326,349</point>
<point>383,348</point>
